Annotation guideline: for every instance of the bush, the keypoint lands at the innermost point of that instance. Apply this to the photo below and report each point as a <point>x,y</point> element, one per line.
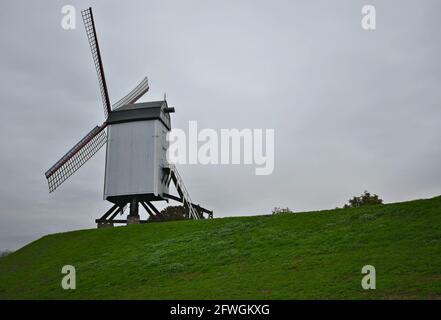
<point>5,253</point>
<point>278,210</point>
<point>174,213</point>
<point>366,199</point>
<point>171,213</point>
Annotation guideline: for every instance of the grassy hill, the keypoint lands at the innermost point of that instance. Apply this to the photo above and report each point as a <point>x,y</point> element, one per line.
<point>307,255</point>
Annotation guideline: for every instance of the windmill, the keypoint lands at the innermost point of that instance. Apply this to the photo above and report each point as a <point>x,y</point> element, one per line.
<point>136,170</point>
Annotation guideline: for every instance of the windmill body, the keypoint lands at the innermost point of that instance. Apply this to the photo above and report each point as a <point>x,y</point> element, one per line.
<point>136,159</point>
<point>137,171</point>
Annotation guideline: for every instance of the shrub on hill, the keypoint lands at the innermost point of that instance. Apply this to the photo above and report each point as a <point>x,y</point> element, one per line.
<point>172,213</point>
<point>365,199</point>
<point>278,210</point>
<point>5,253</point>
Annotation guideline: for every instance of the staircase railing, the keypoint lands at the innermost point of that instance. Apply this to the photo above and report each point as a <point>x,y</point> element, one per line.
<point>185,195</point>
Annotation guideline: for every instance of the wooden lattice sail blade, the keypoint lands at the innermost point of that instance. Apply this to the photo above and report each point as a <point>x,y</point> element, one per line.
<point>76,157</point>
<point>89,24</point>
<point>133,95</point>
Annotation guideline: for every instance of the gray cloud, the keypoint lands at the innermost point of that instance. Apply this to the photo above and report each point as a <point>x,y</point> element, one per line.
<point>351,109</point>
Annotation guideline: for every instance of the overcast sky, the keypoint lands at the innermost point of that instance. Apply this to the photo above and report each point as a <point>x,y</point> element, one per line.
<point>352,110</point>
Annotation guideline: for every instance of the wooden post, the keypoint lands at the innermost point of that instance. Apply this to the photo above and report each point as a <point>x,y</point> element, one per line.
<point>133,217</point>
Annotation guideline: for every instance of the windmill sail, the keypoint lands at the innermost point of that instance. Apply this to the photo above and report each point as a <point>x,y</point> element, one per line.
<point>76,157</point>
<point>89,24</point>
<point>133,95</point>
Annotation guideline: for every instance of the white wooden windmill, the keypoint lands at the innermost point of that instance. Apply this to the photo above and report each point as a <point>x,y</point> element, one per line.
<point>136,169</point>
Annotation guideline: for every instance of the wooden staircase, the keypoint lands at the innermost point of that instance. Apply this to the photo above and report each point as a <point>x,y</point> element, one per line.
<point>194,211</point>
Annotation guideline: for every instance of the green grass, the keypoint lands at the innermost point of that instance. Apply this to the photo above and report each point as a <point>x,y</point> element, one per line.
<point>316,255</point>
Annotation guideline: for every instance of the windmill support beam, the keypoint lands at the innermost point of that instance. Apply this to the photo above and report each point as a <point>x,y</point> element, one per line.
<point>103,221</point>
<point>147,209</point>
<point>120,211</point>
<point>109,212</point>
<point>108,219</point>
<point>133,217</point>
<point>172,197</point>
<point>153,208</point>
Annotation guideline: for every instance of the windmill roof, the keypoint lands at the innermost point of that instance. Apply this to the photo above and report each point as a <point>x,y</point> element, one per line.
<point>153,110</point>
